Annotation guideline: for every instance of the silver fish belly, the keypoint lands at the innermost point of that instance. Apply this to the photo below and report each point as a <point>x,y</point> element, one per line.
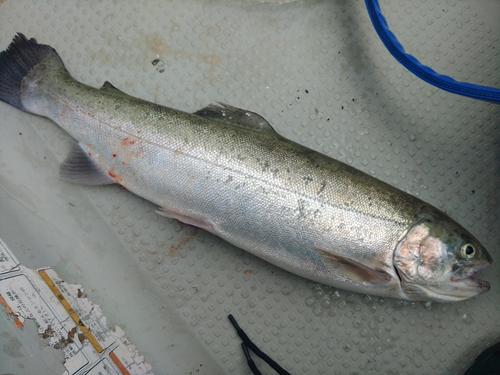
<point>296,208</point>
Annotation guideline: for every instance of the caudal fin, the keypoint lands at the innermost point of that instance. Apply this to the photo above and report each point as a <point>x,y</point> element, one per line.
<point>15,62</point>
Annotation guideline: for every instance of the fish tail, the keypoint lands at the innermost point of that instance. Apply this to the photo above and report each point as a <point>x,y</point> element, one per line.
<point>16,62</point>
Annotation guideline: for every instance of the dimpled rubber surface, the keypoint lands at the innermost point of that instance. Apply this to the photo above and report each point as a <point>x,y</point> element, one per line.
<point>318,73</point>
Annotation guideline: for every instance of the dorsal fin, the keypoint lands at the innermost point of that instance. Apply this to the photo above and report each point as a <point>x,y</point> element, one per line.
<point>227,113</point>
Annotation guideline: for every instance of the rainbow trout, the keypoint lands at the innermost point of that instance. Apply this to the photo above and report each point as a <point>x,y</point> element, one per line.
<point>227,171</point>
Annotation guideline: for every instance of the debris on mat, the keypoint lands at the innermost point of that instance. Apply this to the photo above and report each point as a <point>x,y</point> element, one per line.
<point>66,320</point>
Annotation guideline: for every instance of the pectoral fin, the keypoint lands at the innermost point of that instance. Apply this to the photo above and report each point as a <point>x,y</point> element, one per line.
<point>230,114</point>
<point>353,269</point>
<point>197,222</point>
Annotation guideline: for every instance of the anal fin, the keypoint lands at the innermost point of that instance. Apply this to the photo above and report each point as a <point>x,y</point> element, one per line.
<point>78,168</point>
<point>354,269</point>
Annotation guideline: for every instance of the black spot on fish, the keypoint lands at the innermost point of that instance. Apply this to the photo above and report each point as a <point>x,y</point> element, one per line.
<point>308,179</point>
<point>323,185</point>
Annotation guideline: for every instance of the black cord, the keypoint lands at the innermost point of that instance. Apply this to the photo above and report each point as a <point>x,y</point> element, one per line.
<point>248,343</point>
<point>250,361</point>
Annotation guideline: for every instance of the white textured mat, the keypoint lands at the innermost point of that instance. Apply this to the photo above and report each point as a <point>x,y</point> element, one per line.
<point>319,74</point>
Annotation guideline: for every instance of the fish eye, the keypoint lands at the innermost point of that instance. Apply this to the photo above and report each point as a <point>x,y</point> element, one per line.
<point>468,251</point>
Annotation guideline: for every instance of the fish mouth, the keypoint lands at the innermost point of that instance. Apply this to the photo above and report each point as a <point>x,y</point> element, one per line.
<point>471,281</point>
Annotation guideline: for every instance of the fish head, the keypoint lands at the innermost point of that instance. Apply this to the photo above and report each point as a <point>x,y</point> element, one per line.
<point>437,260</point>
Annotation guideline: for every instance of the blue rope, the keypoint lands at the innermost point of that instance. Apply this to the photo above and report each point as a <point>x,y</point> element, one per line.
<point>425,73</point>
